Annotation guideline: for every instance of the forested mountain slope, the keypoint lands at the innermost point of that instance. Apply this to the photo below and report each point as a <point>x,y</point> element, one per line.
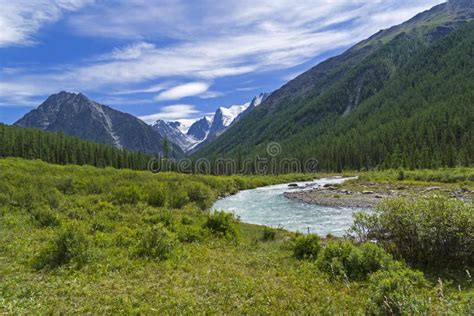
<point>401,98</point>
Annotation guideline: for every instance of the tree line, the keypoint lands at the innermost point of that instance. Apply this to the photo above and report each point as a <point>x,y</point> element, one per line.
<point>58,148</point>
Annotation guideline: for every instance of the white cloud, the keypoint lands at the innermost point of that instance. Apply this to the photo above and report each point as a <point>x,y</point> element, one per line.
<point>133,51</point>
<point>211,94</point>
<point>209,41</point>
<point>21,19</point>
<point>172,113</point>
<point>182,91</point>
<point>151,89</point>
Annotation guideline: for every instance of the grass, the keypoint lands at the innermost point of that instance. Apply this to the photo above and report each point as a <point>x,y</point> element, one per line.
<point>121,247</point>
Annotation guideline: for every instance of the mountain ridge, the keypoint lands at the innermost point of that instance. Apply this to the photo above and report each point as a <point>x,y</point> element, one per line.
<point>309,106</point>
<point>208,128</point>
<point>76,115</point>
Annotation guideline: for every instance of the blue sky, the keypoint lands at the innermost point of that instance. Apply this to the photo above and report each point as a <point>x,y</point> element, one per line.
<point>172,59</point>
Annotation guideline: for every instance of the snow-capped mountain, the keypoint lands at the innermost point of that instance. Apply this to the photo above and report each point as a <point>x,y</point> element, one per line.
<point>256,101</point>
<point>173,131</point>
<point>190,134</point>
<point>200,128</point>
<point>225,117</point>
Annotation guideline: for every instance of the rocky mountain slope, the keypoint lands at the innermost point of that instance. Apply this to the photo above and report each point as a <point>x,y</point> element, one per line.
<point>208,128</point>
<point>76,115</point>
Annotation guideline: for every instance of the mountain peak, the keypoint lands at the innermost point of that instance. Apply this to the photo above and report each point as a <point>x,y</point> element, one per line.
<point>76,115</point>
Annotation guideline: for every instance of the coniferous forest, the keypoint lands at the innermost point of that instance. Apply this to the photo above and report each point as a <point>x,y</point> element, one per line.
<point>58,148</point>
<point>416,111</point>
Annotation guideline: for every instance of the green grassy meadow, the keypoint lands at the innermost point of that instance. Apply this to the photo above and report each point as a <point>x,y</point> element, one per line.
<point>80,239</point>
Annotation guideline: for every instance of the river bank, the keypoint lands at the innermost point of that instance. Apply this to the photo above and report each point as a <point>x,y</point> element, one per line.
<point>366,195</point>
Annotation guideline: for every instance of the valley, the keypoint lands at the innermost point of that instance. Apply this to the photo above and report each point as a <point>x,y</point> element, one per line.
<point>346,189</point>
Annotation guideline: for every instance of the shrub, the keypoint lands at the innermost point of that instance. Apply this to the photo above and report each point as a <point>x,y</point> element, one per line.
<point>200,194</point>
<point>156,242</point>
<point>397,292</point>
<point>307,247</point>
<point>430,232</point>
<point>126,195</point>
<point>177,197</point>
<point>186,220</point>
<point>401,175</point>
<point>221,224</point>
<point>156,197</point>
<point>190,234</point>
<point>66,185</point>
<point>268,234</point>
<point>344,260</point>
<point>70,246</point>
<point>45,217</point>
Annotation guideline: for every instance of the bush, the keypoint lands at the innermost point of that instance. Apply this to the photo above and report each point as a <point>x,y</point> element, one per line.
<point>126,195</point>
<point>397,292</point>
<point>221,224</point>
<point>155,242</point>
<point>156,196</point>
<point>66,185</point>
<point>177,197</point>
<point>200,194</point>
<point>268,234</point>
<point>186,220</point>
<point>344,260</point>
<point>431,232</point>
<point>190,234</point>
<point>45,217</point>
<point>70,246</point>
<point>307,247</point>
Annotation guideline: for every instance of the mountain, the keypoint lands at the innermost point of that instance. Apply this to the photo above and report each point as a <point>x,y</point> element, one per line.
<point>200,128</point>
<point>206,129</point>
<point>76,115</point>
<point>401,98</point>
<point>224,118</point>
<point>173,131</point>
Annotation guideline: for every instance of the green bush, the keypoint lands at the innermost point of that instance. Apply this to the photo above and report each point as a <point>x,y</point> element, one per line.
<point>177,196</point>
<point>307,247</point>
<point>190,234</point>
<point>344,260</point>
<point>186,220</point>
<point>200,194</point>
<point>397,292</point>
<point>268,234</point>
<point>156,242</point>
<point>45,217</point>
<point>222,224</point>
<point>66,185</point>
<point>71,246</point>
<point>156,196</point>
<point>126,195</point>
<point>431,232</point>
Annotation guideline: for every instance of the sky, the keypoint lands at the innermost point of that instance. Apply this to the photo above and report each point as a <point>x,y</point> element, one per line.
<point>173,59</point>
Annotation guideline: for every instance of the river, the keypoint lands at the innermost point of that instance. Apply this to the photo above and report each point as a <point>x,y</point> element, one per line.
<point>267,206</point>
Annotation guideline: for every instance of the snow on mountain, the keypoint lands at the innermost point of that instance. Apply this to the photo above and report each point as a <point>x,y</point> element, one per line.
<point>191,133</point>
<point>230,114</point>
